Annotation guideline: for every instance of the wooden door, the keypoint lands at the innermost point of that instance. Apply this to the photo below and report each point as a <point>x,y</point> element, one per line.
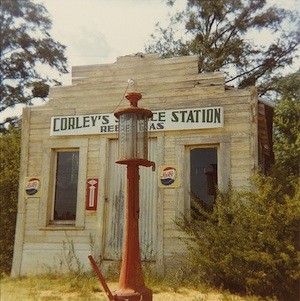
<point>115,206</point>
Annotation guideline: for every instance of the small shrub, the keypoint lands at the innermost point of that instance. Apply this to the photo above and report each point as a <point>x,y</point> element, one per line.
<point>247,244</point>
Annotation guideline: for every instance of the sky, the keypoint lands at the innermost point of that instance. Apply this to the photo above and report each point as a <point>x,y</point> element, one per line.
<point>99,31</point>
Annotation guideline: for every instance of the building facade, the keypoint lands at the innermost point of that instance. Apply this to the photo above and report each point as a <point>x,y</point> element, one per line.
<point>72,194</point>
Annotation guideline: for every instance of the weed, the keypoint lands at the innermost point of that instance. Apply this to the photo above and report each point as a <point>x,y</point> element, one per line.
<point>70,258</point>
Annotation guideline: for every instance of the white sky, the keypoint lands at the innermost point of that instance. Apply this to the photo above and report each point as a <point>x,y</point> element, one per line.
<point>98,31</point>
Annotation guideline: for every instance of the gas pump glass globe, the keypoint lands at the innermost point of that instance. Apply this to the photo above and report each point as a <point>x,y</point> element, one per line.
<point>133,136</point>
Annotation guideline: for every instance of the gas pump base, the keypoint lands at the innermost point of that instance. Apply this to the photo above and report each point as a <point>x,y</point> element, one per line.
<point>144,294</point>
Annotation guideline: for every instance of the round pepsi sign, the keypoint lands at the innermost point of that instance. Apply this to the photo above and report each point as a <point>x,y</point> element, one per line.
<point>32,186</point>
<point>168,176</point>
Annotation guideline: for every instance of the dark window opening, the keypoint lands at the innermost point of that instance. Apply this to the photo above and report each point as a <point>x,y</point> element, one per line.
<point>66,183</point>
<point>203,177</point>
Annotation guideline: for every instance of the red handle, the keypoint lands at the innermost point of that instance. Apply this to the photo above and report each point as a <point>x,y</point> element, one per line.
<point>101,278</point>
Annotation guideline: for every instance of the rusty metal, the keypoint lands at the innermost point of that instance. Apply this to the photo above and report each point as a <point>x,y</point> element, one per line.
<point>101,278</point>
<point>131,282</point>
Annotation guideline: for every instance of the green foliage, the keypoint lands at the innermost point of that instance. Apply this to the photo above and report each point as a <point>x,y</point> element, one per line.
<point>287,130</point>
<point>223,33</point>
<point>25,45</point>
<point>9,182</point>
<point>287,137</point>
<point>248,243</point>
<point>287,86</point>
<point>40,89</point>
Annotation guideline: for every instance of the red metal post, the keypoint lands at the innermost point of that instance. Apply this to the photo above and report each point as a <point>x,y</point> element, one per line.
<point>131,281</point>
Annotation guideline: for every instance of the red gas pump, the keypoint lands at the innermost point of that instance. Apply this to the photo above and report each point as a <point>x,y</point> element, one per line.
<point>133,152</point>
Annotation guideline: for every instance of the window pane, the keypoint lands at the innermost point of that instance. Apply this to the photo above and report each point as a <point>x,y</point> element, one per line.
<point>203,176</point>
<point>66,185</point>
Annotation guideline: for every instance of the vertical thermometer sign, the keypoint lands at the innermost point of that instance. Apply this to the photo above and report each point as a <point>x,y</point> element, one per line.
<point>91,193</point>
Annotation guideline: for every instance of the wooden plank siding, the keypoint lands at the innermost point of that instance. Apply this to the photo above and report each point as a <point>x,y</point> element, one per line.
<point>165,84</point>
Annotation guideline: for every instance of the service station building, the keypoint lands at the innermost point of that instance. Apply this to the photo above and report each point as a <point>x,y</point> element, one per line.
<point>72,193</point>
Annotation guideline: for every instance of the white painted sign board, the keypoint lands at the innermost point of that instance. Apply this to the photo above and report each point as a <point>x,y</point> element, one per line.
<point>163,120</point>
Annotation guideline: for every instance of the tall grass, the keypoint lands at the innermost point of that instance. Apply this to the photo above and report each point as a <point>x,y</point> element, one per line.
<point>58,287</point>
<point>86,287</point>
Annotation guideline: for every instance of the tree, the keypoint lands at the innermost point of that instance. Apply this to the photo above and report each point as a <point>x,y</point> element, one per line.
<point>219,32</point>
<point>248,243</point>
<point>287,130</point>
<point>9,182</point>
<point>26,45</point>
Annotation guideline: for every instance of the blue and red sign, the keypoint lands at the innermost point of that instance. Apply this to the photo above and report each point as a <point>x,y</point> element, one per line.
<point>32,187</point>
<point>168,176</point>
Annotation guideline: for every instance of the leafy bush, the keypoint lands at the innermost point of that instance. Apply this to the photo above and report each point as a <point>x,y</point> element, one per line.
<point>9,182</point>
<point>247,243</point>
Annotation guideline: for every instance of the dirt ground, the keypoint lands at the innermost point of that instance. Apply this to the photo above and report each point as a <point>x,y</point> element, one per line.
<point>53,296</point>
<point>29,291</point>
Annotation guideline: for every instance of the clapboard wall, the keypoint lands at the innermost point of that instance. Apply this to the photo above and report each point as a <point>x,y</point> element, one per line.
<point>164,84</point>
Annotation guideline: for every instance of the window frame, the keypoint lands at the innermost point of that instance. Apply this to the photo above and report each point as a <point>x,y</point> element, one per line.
<point>210,146</point>
<point>184,145</point>
<point>53,221</point>
<point>50,149</point>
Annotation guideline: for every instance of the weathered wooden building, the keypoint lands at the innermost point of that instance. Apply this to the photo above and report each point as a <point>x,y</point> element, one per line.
<point>71,195</point>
